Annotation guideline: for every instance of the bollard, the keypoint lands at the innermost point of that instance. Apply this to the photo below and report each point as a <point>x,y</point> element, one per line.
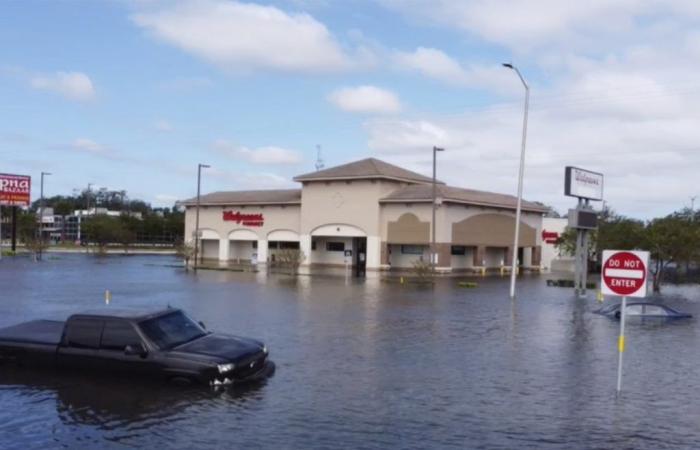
<point>108,296</point>
<point>401,280</point>
<point>483,271</point>
<point>600,297</point>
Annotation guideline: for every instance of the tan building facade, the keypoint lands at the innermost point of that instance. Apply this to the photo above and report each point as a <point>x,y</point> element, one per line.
<point>369,215</point>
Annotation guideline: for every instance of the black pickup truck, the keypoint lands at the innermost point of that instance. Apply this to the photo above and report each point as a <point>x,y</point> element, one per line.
<point>164,343</point>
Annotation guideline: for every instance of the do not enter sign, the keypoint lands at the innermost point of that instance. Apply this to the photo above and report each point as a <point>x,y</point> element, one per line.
<point>625,273</point>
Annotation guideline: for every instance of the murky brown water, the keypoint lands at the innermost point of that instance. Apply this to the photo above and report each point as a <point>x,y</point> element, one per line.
<point>361,364</point>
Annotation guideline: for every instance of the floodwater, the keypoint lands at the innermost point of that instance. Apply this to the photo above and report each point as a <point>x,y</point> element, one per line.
<point>360,364</point>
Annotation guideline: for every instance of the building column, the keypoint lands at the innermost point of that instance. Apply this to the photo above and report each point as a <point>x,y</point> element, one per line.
<point>444,255</point>
<point>479,256</point>
<point>223,250</point>
<point>374,249</point>
<point>384,255</point>
<point>262,252</point>
<point>509,256</point>
<point>305,247</point>
<point>527,257</point>
<point>536,256</point>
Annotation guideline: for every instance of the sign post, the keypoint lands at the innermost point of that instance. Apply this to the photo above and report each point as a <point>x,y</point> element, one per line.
<point>586,186</point>
<point>624,273</point>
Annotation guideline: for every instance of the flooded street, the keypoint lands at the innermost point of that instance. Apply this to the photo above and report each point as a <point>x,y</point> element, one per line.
<point>360,364</point>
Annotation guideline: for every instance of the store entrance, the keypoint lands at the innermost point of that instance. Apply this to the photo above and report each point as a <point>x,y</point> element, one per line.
<point>360,246</point>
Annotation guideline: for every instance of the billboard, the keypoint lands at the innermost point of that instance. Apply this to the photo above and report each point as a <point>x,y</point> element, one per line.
<point>15,190</point>
<point>583,183</point>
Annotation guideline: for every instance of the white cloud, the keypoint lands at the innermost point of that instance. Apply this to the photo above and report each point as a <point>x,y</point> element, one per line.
<point>245,36</point>
<point>269,155</point>
<point>365,99</point>
<point>72,85</point>
<point>89,146</point>
<point>436,64</point>
<point>162,125</point>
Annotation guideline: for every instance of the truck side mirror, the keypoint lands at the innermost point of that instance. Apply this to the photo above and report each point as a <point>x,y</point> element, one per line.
<point>135,350</point>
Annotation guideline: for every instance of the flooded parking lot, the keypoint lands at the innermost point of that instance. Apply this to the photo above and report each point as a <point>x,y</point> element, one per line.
<point>360,364</point>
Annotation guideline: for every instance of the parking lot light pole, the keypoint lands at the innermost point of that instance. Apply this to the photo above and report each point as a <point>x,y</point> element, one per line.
<point>196,226</point>
<point>520,181</point>
<point>41,214</point>
<point>433,252</point>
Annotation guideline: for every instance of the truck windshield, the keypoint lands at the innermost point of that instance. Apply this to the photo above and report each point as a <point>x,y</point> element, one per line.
<point>171,330</point>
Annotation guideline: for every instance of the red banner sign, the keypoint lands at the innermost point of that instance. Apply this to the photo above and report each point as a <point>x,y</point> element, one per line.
<point>15,190</point>
<point>550,237</point>
<point>248,220</point>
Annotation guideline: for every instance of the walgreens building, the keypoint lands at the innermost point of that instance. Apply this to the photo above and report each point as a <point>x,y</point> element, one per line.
<point>370,215</point>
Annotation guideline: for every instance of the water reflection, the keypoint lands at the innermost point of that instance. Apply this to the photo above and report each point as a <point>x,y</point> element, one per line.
<point>110,403</point>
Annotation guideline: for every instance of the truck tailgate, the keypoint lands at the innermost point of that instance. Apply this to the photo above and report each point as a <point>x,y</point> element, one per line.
<point>35,332</point>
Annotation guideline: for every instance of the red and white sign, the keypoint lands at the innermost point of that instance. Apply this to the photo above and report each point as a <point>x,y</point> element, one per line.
<point>550,237</point>
<point>248,220</point>
<point>625,273</point>
<point>15,190</point>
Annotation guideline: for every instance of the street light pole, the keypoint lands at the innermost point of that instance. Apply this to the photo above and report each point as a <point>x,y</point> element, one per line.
<point>433,252</point>
<point>196,226</point>
<point>41,214</point>
<point>520,181</point>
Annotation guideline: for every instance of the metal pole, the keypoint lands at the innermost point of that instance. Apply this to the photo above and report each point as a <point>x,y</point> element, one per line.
<point>41,215</point>
<point>433,251</point>
<point>520,181</point>
<point>0,231</point>
<point>621,344</point>
<point>196,226</point>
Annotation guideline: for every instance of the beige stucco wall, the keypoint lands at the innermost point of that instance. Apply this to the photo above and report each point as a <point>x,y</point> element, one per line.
<point>275,218</point>
<point>344,202</point>
<point>448,214</point>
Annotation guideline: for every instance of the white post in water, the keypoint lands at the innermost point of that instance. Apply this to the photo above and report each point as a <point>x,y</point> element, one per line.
<point>621,344</point>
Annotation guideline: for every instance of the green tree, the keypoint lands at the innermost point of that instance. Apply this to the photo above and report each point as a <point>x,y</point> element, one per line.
<point>672,239</point>
<point>103,230</point>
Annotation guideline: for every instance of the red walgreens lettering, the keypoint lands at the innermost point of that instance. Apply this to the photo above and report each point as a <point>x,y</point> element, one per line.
<point>251,220</point>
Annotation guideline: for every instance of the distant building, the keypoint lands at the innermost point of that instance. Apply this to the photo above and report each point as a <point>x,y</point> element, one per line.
<point>68,228</point>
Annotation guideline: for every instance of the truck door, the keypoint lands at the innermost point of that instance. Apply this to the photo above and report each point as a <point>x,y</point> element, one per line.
<point>80,343</point>
<point>116,337</point>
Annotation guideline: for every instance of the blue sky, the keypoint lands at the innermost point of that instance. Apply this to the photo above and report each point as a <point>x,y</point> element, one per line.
<point>133,94</point>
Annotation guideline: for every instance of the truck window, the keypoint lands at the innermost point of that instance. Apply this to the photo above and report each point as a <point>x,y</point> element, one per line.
<point>117,335</point>
<point>83,332</point>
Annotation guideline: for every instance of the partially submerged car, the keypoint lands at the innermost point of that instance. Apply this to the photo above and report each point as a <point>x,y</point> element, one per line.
<point>642,310</point>
<point>164,343</point>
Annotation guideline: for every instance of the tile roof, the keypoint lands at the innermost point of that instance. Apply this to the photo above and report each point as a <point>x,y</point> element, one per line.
<point>268,196</point>
<point>365,169</point>
<point>423,193</point>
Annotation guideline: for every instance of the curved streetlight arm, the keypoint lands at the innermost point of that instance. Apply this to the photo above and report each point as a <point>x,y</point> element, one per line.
<point>521,172</point>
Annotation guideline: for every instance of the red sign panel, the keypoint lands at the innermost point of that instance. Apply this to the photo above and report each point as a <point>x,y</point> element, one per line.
<point>249,220</point>
<point>550,237</point>
<point>625,273</point>
<point>15,190</point>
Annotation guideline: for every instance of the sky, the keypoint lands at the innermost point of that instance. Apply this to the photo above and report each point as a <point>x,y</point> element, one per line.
<point>133,94</point>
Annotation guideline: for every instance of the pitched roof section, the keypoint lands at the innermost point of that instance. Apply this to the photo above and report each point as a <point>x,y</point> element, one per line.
<point>424,193</point>
<point>261,197</point>
<point>365,169</point>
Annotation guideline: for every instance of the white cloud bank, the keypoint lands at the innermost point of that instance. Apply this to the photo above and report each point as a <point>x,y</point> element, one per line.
<point>244,36</point>
<point>268,155</point>
<point>72,85</point>
<point>365,99</point>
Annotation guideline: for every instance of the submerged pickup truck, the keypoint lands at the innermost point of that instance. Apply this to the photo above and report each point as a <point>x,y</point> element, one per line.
<point>165,344</point>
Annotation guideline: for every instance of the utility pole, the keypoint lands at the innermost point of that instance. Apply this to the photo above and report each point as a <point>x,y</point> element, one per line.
<point>692,208</point>
<point>433,250</point>
<point>41,215</point>
<point>196,226</point>
<point>520,181</point>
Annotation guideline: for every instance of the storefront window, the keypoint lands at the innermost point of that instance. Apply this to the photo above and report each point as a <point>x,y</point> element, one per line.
<point>412,249</point>
<point>459,250</point>
<point>335,246</point>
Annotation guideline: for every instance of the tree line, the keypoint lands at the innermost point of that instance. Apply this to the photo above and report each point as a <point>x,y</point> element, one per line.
<point>673,241</point>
